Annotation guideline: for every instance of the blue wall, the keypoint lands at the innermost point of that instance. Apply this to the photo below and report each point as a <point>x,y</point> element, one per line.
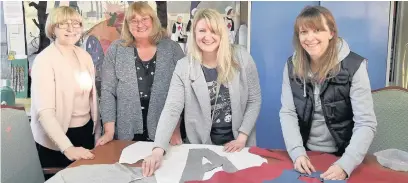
<point>365,27</point>
<point>271,45</point>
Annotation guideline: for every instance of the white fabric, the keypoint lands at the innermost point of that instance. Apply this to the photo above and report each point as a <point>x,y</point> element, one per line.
<point>175,159</point>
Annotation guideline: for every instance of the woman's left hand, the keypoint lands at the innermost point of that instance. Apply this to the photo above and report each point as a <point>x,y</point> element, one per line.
<point>237,144</point>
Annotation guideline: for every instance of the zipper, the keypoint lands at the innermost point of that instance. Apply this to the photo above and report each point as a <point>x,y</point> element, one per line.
<point>327,121</point>
<point>313,111</point>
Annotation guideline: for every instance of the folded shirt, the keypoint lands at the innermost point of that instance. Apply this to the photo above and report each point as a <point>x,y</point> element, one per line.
<point>109,173</point>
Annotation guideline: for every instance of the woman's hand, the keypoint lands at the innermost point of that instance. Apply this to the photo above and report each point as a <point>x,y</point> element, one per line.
<point>107,137</point>
<point>152,163</point>
<point>303,165</point>
<point>109,129</point>
<point>236,145</point>
<point>77,153</point>
<point>335,172</point>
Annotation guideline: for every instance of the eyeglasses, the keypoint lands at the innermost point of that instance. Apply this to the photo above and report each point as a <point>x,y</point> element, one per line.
<point>144,21</point>
<point>65,25</point>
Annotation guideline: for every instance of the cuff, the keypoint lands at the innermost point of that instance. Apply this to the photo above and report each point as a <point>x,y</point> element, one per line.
<point>244,130</point>
<point>347,163</point>
<point>108,120</point>
<point>296,152</point>
<point>64,144</point>
<point>164,146</point>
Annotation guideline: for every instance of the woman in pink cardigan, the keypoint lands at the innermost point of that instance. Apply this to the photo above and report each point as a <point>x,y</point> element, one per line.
<point>64,108</point>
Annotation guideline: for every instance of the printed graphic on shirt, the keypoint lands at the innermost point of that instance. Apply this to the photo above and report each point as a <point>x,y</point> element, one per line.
<point>221,130</point>
<point>222,109</point>
<point>145,71</point>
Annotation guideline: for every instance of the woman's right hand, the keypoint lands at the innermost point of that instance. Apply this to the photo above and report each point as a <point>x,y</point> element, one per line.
<point>77,153</point>
<point>108,135</point>
<point>152,163</point>
<point>303,165</point>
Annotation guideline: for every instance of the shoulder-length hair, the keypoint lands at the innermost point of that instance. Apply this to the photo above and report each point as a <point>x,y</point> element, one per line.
<point>315,17</point>
<point>143,9</point>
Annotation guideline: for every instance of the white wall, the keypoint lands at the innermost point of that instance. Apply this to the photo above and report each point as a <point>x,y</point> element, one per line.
<point>5,71</point>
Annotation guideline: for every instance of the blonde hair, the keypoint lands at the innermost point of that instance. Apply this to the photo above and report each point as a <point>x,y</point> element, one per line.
<point>60,15</point>
<point>143,9</point>
<point>314,17</point>
<point>226,63</point>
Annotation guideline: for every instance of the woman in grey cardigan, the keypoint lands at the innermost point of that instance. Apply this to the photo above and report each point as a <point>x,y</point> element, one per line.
<point>136,75</point>
<point>217,85</point>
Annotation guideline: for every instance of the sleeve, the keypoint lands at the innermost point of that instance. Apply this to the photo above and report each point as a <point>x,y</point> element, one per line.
<point>253,106</point>
<point>108,85</point>
<point>289,121</point>
<point>43,86</point>
<point>172,109</point>
<point>365,122</point>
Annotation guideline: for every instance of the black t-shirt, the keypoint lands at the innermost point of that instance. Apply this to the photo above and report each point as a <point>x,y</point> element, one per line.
<point>145,75</point>
<point>221,130</point>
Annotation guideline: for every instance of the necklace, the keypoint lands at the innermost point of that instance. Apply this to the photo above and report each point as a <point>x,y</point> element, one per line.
<point>217,85</point>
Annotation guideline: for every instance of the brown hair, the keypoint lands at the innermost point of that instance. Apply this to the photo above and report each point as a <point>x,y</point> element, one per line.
<point>142,8</point>
<point>315,17</point>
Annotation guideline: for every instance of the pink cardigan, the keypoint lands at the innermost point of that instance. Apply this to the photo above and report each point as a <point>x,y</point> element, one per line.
<point>51,88</point>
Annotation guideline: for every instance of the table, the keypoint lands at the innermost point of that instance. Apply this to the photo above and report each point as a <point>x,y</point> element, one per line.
<point>106,154</point>
<point>110,154</point>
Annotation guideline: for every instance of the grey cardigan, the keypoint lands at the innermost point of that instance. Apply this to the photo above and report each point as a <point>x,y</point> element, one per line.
<point>120,101</point>
<point>188,90</point>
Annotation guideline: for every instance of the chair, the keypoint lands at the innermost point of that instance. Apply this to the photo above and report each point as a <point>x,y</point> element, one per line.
<point>19,157</point>
<point>391,109</point>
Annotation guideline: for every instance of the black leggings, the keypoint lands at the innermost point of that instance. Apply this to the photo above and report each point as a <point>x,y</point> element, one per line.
<point>79,137</point>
